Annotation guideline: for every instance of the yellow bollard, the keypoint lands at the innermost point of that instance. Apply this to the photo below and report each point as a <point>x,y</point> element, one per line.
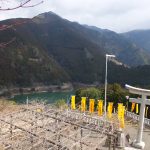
<point>73,105</point>
<point>83,104</point>
<point>111,106</point>
<point>132,107</point>
<point>121,113</point>
<point>91,106</point>
<point>120,105</point>
<point>100,107</point>
<point>122,122</point>
<point>137,108</point>
<point>110,109</point>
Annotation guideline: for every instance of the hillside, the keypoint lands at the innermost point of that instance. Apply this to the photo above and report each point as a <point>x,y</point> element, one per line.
<point>51,50</point>
<point>140,37</point>
<point>23,63</point>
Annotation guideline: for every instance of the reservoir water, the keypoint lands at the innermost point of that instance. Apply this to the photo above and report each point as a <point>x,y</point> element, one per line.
<point>49,97</point>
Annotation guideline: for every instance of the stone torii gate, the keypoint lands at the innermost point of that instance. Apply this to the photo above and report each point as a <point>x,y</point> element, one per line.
<point>138,143</point>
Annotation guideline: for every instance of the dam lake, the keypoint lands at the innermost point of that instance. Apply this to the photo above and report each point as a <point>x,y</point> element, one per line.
<point>49,97</point>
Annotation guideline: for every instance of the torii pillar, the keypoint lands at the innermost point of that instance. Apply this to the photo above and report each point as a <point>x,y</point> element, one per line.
<point>138,143</point>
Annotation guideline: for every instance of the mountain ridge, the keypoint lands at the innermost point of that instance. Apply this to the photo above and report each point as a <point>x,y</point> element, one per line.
<point>140,37</point>
<point>53,50</point>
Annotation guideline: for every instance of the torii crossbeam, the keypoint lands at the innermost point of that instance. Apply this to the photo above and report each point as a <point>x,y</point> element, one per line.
<point>138,143</point>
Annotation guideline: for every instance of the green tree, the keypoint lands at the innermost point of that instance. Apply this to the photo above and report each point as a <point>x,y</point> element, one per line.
<point>92,92</point>
<point>115,93</point>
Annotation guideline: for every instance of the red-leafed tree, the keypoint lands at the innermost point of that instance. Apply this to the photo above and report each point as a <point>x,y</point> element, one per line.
<point>8,5</point>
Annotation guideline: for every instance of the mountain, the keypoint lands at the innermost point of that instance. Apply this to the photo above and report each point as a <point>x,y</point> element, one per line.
<point>105,40</point>
<point>48,50</point>
<point>23,63</point>
<point>140,37</point>
<point>125,50</point>
<point>51,50</point>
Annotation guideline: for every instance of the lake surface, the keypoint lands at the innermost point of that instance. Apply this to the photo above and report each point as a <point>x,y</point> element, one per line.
<point>49,97</point>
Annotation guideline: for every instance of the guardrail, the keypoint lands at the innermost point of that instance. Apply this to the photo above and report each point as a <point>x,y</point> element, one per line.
<point>136,117</point>
<point>100,122</point>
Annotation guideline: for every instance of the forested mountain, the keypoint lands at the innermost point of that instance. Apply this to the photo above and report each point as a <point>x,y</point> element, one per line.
<point>51,50</point>
<point>125,50</point>
<point>140,37</point>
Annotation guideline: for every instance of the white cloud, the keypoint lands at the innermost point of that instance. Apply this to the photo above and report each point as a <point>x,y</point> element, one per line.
<point>117,15</point>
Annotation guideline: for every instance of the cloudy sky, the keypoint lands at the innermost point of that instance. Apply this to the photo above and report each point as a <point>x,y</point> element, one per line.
<point>116,15</point>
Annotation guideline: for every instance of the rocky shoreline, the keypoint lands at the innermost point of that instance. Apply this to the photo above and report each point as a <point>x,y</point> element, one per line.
<point>11,92</point>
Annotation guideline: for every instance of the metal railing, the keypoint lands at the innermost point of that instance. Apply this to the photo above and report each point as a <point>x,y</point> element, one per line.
<point>136,117</point>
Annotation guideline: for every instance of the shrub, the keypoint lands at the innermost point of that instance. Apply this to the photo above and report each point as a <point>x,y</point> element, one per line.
<point>61,103</point>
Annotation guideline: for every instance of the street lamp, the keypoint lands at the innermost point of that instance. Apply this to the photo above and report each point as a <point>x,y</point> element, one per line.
<point>105,104</point>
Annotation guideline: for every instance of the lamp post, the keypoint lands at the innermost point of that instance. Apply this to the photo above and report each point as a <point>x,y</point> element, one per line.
<point>105,102</point>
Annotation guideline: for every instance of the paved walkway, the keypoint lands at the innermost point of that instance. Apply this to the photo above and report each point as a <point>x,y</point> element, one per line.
<point>131,129</point>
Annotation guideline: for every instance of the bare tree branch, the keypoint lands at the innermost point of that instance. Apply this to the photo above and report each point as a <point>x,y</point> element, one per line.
<point>33,5</point>
<point>22,5</point>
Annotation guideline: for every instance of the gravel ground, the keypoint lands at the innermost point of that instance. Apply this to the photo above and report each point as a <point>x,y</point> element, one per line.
<point>130,126</point>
